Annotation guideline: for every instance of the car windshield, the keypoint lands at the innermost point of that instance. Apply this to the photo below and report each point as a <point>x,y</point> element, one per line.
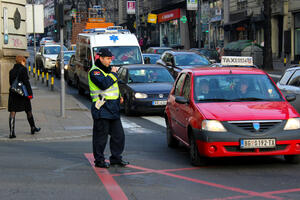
<point>124,55</point>
<point>209,53</point>
<point>67,55</point>
<point>235,88</point>
<point>149,75</point>
<point>191,59</point>
<point>53,49</point>
<point>153,58</point>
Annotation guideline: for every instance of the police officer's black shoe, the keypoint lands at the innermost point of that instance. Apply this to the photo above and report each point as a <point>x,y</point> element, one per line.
<point>120,163</point>
<point>102,164</point>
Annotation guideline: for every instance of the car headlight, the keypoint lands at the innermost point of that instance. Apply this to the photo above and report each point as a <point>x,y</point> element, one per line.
<point>213,125</point>
<point>48,59</point>
<point>139,95</point>
<point>66,67</point>
<point>292,124</point>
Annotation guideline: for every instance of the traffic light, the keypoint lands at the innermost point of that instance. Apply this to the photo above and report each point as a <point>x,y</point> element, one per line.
<point>59,13</point>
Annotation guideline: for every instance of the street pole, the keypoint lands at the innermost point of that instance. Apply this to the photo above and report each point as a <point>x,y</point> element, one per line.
<point>137,18</point>
<point>34,38</point>
<point>199,28</point>
<point>62,77</point>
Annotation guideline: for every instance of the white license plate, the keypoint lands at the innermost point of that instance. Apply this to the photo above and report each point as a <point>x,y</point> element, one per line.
<point>257,143</point>
<point>159,103</point>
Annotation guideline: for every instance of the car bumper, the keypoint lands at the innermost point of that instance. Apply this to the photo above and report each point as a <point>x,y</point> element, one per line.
<point>223,144</point>
<point>147,105</point>
<point>50,64</point>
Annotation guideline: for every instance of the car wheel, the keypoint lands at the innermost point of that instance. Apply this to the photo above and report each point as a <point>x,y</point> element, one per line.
<point>171,141</point>
<point>80,89</point>
<point>127,109</point>
<point>195,157</point>
<point>293,159</point>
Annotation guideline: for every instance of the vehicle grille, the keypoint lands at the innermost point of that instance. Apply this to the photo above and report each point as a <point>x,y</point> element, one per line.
<point>263,125</point>
<point>157,96</point>
<point>238,149</point>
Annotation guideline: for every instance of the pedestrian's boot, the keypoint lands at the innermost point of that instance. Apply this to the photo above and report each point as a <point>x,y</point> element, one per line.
<point>32,125</point>
<point>12,127</point>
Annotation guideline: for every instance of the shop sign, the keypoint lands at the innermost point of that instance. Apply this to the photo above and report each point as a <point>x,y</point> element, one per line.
<point>191,5</point>
<point>167,16</point>
<point>130,7</point>
<point>183,19</point>
<point>240,28</point>
<point>152,18</point>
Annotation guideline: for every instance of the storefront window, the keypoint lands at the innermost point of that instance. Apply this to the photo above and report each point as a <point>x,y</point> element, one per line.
<point>297,34</point>
<point>172,30</point>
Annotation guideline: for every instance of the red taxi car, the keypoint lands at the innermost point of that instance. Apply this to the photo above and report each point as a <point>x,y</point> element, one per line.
<point>231,111</point>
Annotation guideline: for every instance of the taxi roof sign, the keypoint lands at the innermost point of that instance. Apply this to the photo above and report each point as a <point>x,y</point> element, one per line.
<point>237,60</point>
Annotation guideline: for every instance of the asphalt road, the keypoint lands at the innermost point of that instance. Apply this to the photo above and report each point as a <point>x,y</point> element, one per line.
<point>62,170</point>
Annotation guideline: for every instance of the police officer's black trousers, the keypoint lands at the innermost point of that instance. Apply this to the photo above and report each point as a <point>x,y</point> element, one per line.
<point>101,129</point>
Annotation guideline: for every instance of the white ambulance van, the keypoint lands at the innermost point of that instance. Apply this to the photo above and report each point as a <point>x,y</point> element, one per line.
<point>121,42</point>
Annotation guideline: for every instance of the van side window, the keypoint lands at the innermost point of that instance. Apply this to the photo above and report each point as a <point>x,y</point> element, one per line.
<point>82,53</point>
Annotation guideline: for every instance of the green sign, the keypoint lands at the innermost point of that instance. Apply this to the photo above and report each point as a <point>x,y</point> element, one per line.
<point>183,19</point>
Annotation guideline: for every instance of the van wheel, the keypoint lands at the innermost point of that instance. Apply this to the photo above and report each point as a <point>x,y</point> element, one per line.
<point>80,89</point>
<point>127,109</point>
<point>293,159</point>
<point>195,157</point>
<point>171,140</point>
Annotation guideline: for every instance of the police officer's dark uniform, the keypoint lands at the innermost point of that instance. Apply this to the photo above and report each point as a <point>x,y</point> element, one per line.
<point>103,84</point>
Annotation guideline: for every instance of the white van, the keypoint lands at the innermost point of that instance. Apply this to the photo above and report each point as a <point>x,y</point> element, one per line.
<point>123,45</point>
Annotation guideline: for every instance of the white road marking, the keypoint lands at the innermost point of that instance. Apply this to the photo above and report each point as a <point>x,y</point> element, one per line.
<point>156,119</point>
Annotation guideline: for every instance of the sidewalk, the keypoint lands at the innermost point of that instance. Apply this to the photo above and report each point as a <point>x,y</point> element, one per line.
<point>46,111</point>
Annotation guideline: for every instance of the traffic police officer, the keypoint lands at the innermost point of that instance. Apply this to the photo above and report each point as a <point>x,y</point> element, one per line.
<point>105,94</point>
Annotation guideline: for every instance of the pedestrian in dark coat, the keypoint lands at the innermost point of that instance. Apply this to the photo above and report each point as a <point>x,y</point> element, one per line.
<point>18,103</point>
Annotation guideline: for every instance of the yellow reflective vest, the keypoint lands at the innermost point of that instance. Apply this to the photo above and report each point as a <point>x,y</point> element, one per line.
<point>111,93</point>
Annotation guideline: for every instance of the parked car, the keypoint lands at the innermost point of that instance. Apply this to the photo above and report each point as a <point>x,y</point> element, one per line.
<point>145,88</point>
<point>175,61</point>
<point>210,111</point>
<point>211,54</point>
<point>67,56</point>
<point>289,83</point>
<point>46,56</point>
<point>70,71</point>
<point>150,58</point>
<point>157,50</point>
<point>46,40</point>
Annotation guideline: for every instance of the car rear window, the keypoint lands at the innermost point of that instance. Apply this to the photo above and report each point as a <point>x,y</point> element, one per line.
<point>190,59</point>
<point>149,75</point>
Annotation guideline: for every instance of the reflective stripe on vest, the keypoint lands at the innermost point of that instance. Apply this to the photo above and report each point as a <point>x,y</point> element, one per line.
<point>110,93</point>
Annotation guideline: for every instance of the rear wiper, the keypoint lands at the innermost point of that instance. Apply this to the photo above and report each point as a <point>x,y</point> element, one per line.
<point>249,99</point>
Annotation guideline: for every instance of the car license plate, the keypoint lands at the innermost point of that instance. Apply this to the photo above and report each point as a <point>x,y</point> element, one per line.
<point>159,103</point>
<point>257,143</point>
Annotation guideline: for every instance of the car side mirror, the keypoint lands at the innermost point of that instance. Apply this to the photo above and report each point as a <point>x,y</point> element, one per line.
<point>181,100</point>
<point>147,60</point>
<point>290,98</point>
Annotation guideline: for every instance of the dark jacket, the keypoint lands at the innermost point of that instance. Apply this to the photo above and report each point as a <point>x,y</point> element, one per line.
<point>111,108</point>
<point>17,103</point>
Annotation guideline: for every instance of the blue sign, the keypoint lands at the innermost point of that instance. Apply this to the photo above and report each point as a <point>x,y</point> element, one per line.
<point>113,38</point>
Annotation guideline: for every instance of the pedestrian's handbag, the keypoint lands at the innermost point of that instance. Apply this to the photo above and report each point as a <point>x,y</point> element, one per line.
<point>18,87</point>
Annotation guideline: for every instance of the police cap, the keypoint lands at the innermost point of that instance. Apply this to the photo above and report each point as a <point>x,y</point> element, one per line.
<point>104,52</point>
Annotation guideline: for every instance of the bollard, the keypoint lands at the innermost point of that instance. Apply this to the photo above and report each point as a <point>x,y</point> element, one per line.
<point>33,72</point>
<point>43,75</point>
<point>47,79</point>
<point>38,74</point>
<point>52,81</point>
<point>284,61</point>
<point>29,69</point>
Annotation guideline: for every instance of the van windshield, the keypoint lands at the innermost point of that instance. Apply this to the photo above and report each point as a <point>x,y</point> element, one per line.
<point>123,55</point>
